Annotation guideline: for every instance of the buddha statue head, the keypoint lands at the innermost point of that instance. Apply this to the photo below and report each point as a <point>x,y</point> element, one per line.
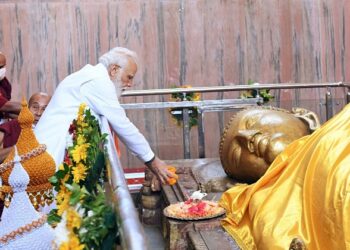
<point>254,137</point>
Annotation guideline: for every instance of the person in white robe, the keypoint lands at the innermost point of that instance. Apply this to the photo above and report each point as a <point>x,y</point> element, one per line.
<point>99,87</point>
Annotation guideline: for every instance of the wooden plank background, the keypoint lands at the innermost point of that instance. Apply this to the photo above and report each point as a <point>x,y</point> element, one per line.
<point>196,42</point>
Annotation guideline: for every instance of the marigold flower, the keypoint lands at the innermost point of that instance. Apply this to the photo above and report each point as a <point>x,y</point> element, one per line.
<point>62,198</point>
<point>196,97</point>
<point>73,219</point>
<point>74,243</point>
<point>64,246</point>
<point>63,206</point>
<point>79,152</point>
<point>61,167</point>
<point>81,140</point>
<point>79,172</point>
<point>81,109</point>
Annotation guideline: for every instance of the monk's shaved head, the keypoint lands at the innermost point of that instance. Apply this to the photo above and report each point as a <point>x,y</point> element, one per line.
<point>37,104</point>
<point>39,95</point>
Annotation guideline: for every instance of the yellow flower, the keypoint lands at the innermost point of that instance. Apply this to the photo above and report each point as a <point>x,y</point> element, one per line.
<point>63,206</point>
<point>80,122</point>
<point>81,109</point>
<point>80,139</point>
<point>61,167</point>
<point>74,243</point>
<point>196,97</point>
<point>79,152</point>
<point>65,179</point>
<point>73,219</point>
<point>63,194</point>
<point>62,198</point>
<point>64,246</point>
<point>79,172</point>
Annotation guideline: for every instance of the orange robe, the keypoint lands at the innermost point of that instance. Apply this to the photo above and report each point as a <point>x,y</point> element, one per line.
<point>305,193</point>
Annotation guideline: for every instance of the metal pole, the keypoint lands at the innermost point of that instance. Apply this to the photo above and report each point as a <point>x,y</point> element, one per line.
<point>130,228</point>
<point>231,87</point>
<point>186,133</point>
<point>329,105</point>
<point>201,139</point>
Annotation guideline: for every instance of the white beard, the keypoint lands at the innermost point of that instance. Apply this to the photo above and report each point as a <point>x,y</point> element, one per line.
<point>118,84</point>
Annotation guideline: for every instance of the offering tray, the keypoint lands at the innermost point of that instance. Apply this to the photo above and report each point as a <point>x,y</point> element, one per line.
<point>190,210</point>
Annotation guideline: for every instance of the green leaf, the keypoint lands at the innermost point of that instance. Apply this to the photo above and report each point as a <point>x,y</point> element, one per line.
<point>95,172</point>
<point>109,241</point>
<point>76,193</point>
<point>53,180</point>
<point>53,218</point>
<point>60,174</point>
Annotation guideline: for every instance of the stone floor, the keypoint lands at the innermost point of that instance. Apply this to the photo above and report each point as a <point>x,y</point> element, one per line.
<point>154,238</point>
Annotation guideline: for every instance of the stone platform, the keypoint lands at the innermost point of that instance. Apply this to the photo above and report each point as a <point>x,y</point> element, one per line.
<point>194,174</point>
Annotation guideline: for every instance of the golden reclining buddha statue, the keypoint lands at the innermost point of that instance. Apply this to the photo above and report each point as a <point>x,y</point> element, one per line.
<point>254,137</point>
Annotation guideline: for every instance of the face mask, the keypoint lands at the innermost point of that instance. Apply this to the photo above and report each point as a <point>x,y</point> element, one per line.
<point>2,73</point>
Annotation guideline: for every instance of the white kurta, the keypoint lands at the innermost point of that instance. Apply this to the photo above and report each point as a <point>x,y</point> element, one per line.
<point>93,86</point>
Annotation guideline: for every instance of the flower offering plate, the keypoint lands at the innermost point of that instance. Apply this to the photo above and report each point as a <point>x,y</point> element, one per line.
<point>194,210</point>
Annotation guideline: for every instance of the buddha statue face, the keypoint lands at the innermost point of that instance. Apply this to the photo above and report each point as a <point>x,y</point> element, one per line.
<point>254,137</point>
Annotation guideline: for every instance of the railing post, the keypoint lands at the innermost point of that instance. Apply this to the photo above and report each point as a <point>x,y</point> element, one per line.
<point>201,139</point>
<point>329,105</point>
<point>186,133</point>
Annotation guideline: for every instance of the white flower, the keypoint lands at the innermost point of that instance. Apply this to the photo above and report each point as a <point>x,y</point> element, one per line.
<point>69,140</point>
<point>80,210</point>
<point>90,213</point>
<point>61,232</point>
<point>82,230</point>
<point>198,195</point>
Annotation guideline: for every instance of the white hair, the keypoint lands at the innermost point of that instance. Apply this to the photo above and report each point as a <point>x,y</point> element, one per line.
<point>119,56</point>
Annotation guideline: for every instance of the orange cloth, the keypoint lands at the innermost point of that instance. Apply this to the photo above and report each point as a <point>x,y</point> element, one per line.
<point>39,166</point>
<point>305,193</point>
<point>116,143</point>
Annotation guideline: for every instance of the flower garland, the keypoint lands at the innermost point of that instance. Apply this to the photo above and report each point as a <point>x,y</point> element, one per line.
<point>83,219</point>
<point>176,113</point>
<point>253,93</point>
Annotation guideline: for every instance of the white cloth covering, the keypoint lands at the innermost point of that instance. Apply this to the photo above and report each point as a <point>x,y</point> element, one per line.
<point>93,86</point>
<point>20,213</point>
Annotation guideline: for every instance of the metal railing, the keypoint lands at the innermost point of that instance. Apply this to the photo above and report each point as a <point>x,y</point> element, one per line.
<point>130,228</point>
<point>233,87</point>
<point>222,105</point>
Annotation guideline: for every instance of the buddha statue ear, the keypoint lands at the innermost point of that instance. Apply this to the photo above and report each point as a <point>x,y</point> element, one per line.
<point>246,137</point>
<point>307,116</point>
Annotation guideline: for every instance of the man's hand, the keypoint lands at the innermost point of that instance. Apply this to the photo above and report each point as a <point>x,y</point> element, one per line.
<point>11,109</point>
<point>4,152</point>
<point>160,169</point>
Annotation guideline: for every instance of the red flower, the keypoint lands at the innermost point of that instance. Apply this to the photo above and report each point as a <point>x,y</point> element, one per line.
<point>189,201</point>
<point>198,209</point>
<point>72,128</point>
<point>67,159</point>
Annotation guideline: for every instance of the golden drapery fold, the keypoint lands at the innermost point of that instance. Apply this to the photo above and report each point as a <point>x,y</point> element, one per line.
<point>304,194</point>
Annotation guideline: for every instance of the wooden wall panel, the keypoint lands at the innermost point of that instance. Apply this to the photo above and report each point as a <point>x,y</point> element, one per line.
<point>196,42</point>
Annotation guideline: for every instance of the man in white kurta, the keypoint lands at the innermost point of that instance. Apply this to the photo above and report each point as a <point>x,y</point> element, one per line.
<point>96,86</point>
